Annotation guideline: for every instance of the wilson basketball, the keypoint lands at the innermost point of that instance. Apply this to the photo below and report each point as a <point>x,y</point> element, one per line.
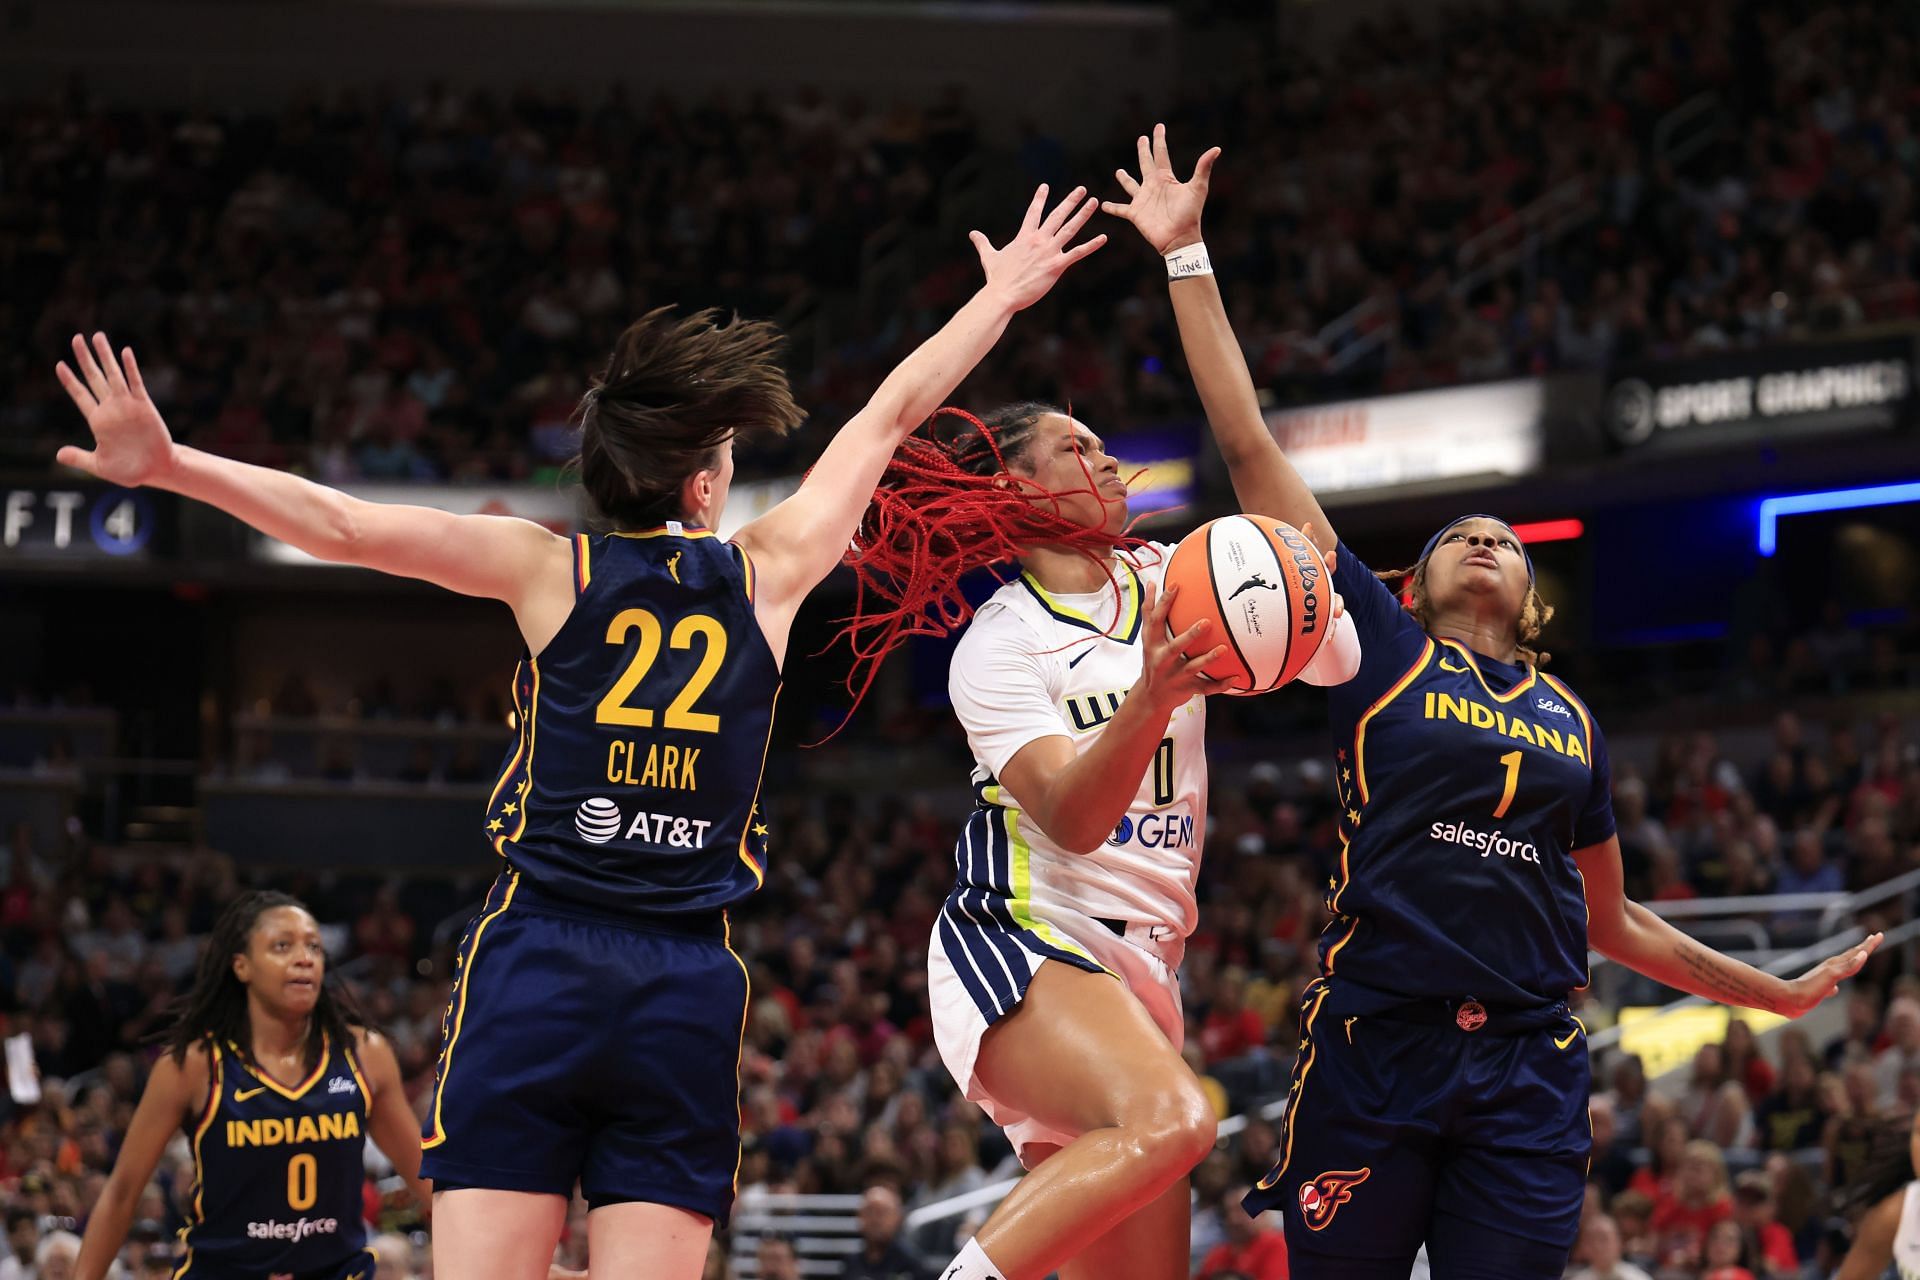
<point>1265,588</point>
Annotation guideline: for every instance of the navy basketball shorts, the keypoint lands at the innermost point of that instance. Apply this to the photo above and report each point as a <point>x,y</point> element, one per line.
<point>584,1048</point>
<point>1441,1122</point>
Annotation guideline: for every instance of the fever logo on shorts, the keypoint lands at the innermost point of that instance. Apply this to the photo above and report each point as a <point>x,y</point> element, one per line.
<point>598,820</point>
<point>1321,1197</point>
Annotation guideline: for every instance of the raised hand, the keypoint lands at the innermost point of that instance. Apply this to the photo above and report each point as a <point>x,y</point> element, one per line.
<point>1824,979</point>
<point>131,444</point>
<point>1161,207</point>
<point>1168,677</point>
<point>1026,267</point>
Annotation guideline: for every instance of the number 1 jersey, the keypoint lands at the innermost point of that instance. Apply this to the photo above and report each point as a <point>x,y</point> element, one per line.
<point>643,728</point>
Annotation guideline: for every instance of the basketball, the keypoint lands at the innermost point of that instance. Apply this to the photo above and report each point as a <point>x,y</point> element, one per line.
<point>1264,586</point>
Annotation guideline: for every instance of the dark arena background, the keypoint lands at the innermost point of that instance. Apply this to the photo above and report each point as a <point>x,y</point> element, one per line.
<point>1643,277</point>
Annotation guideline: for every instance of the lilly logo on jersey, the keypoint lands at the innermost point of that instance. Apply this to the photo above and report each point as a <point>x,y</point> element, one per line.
<point>1551,707</point>
<point>598,820</point>
<point>298,1229</point>
<point>340,1084</point>
<point>1321,1197</point>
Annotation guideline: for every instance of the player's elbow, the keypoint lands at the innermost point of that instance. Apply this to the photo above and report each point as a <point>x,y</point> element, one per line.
<point>340,534</point>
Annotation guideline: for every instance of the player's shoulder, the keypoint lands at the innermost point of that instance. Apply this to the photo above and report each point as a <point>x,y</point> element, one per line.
<point>1149,560</point>
<point>1552,688</point>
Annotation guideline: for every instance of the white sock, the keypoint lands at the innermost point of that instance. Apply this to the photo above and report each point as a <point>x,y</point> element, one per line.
<point>972,1264</point>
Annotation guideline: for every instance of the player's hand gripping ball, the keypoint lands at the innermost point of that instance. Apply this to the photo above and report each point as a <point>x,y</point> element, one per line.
<point>1265,587</point>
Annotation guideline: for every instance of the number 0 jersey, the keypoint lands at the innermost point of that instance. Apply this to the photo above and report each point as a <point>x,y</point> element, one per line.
<point>1034,665</point>
<point>634,785</point>
<point>1465,785</point>
<point>277,1171</point>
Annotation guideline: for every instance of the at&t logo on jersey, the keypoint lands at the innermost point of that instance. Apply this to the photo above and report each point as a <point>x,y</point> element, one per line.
<point>598,820</point>
<point>298,1229</point>
<point>1321,1197</point>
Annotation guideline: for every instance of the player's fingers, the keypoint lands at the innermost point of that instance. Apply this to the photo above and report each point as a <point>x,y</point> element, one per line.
<point>77,391</point>
<point>981,245</point>
<point>1203,167</point>
<point>1071,227</point>
<point>1339,604</point>
<point>134,379</point>
<point>1127,184</point>
<point>1193,635</point>
<point>77,458</point>
<point>1035,208</point>
<point>83,363</point>
<point>1117,210</point>
<point>110,368</point>
<point>1161,156</point>
<point>1057,219</point>
<point>1086,250</point>
<point>1144,149</point>
<point>1196,667</point>
<point>1153,603</point>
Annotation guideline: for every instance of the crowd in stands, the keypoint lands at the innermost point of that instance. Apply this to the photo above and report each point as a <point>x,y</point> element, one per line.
<point>416,286</point>
<point>842,1092</point>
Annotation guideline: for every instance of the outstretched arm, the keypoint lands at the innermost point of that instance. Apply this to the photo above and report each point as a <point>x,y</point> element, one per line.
<point>390,1121</point>
<point>799,542</point>
<point>1166,212</point>
<point>498,557</point>
<point>1626,931</point>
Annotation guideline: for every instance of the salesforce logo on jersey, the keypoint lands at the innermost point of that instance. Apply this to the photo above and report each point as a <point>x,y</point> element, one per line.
<point>598,820</point>
<point>299,1229</point>
<point>1154,830</point>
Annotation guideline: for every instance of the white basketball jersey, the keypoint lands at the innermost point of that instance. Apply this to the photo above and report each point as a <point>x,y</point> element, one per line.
<point>1906,1241</point>
<point>1033,665</point>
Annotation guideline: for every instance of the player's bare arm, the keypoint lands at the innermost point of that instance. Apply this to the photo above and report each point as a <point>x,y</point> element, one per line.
<point>1629,933</point>
<point>799,542</point>
<point>1078,799</point>
<point>174,1092</point>
<point>497,557</point>
<point>1166,212</point>
<point>390,1121</point>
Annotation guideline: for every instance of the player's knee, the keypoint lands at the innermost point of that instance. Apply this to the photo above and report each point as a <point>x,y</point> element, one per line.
<point>1178,1130</point>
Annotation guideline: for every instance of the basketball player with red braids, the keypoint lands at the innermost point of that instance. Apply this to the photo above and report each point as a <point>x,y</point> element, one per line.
<point>594,1032</point>
<point>1441,1090</point>
<point>1087,724</point>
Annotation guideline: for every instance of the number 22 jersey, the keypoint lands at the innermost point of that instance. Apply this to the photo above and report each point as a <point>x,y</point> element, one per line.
<point>1465,784</point>
<point>634,784</point>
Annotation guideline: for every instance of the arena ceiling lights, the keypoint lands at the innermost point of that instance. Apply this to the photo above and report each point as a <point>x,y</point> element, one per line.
<point>1799,504</point>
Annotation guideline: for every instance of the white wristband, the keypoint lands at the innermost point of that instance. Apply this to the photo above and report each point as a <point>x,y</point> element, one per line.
<point>1191,260</point>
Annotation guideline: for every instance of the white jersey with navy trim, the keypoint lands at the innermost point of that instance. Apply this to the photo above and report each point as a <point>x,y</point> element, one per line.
<point>1035,664</point>
<point>1906,1241</point>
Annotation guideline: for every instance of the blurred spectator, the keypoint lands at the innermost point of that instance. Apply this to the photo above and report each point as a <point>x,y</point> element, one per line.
<point>1253,1247</point>
<point>882,1256</point>
<point>1599,1249</point>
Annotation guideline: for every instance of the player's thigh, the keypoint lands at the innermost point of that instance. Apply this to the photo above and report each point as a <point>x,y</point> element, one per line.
<point>640,1239</point>
<point>1152,1243</point>
<point>481,1234</point>
<point>1081,1053</point>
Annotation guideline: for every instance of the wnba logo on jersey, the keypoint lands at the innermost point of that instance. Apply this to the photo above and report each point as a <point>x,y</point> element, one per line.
<point>1321,1197</point>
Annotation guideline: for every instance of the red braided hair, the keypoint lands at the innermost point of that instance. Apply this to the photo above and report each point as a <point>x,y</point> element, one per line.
<point>947,504</point>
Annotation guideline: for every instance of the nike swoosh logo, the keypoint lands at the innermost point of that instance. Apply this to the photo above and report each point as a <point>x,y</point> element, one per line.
<point>1071,663</point>
<point>1561,1044</point>
<point>1448,666</point>
<point>241,1095</point>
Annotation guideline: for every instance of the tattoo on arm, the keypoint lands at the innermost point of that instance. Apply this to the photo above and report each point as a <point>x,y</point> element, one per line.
<point>1720,978</point>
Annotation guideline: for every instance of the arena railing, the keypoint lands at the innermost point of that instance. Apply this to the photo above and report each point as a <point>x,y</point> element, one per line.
<point>824,1231</point>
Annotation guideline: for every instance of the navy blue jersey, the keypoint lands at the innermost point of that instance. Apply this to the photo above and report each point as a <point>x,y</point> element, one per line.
<point>1465,784</point>
<point>635,782</point>
<point>277,1171</point>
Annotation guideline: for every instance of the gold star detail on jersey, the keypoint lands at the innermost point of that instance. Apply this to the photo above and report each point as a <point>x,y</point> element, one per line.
<point>1353,816</point>
<point>495,825</point>
<point>526,785</point>
<point>760,828</point>
<point>509,808</point>
<point>1346,775</point>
